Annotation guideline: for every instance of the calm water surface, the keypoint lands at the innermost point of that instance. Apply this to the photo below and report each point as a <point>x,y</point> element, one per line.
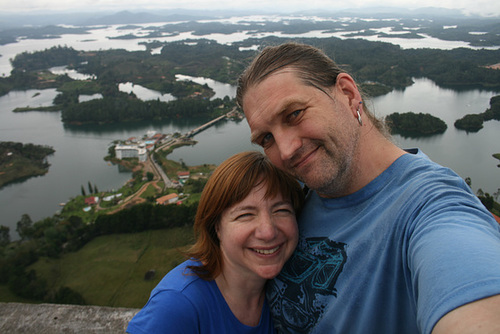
<point>80,150</point>
<point>78,158</point>
<point>470,155</point>
<point>98,39</point>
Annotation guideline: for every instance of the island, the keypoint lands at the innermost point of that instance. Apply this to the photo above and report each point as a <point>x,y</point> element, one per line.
<point>474,122</point>
<point>497,156</point>
<point>20,161</point>
<point>414,125</point>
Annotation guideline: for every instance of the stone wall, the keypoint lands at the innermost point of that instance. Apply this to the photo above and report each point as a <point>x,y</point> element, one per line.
<point>52,318</point>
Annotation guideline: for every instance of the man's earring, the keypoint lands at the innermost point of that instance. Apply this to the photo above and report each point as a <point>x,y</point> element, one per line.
<point>359,115</point>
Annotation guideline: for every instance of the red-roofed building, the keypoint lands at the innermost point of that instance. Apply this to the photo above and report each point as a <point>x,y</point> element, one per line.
<point>183,175</point>
<point>167,199</point>
<point>91,200</point>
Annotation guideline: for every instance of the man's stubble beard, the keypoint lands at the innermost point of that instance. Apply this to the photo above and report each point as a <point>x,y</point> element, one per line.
<point>334,172</point>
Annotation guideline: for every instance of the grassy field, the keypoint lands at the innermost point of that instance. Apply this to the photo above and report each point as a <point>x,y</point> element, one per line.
<point>109,271</point>
<point>7,296</point>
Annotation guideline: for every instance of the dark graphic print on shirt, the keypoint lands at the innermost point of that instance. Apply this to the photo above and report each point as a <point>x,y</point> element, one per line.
<point>298,296</point>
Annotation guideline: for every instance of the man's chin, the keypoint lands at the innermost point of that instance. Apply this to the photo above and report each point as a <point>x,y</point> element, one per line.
<point>319,184</point>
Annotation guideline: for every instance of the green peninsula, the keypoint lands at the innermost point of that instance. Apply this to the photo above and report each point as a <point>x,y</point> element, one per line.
<point>20,161</point>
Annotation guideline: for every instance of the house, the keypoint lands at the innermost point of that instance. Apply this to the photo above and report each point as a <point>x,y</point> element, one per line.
<point>92,200</point>
<point>167,199</point>
<point>182,175</point>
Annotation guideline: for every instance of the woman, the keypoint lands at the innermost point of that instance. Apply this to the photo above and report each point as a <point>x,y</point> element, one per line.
<point>245,231</point>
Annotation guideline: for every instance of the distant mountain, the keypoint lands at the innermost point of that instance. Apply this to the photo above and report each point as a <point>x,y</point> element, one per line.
<point>35,19</point>
<point>127,17</point>
<point>10,21</point>
<point>389,12</point>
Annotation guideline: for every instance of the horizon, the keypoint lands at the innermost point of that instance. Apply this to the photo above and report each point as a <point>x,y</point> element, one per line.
<point>73,16</point>
<point>482,8</point>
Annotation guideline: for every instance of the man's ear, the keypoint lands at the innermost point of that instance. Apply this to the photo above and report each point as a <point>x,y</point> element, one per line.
<point>346,86</point>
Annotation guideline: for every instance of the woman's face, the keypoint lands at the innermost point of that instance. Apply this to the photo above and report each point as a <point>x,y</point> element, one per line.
<point>257,235</point>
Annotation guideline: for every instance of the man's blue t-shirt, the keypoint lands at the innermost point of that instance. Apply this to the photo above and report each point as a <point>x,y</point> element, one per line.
<point>184,303</point>
<point>394,257</point>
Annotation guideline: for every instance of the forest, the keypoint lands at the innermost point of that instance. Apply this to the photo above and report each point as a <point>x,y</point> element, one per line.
<point>57,235</point>
<point>123,107</point>
<point>388,67</point>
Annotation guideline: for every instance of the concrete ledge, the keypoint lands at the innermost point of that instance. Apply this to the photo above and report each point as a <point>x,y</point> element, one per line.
<point>53,318</point>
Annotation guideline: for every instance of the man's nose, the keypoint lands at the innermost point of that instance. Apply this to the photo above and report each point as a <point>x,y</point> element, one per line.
<point>288,143</point>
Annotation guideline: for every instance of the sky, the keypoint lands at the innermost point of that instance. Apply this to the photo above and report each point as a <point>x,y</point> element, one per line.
<point>482,7</point>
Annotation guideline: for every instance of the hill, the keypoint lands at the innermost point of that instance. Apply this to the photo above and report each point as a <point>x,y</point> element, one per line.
<point>110,270</point>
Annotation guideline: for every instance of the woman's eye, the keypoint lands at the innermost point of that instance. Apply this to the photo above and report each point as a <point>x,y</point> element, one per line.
<point>243,216</point>
<point>285,211</point>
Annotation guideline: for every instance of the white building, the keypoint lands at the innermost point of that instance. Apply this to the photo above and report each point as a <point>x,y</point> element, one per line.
<point>131,151</point>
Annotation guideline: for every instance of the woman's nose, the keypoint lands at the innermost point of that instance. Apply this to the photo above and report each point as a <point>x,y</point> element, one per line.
<point>266,230</point>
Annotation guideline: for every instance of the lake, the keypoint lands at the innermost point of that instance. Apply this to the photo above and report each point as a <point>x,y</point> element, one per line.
<point>80,150</point>
<point>98,38</point>
<point>469,154</point>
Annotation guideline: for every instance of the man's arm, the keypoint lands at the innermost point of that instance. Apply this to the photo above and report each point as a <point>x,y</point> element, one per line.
<point>481,316</point>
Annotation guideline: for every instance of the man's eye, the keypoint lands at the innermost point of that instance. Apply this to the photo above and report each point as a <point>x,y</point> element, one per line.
<point>266,140</point>
<point>294,115</point>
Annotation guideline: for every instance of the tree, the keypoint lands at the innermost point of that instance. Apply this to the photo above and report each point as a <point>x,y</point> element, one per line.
<point>470,123</point>
<point>83,192</point>
<point>487,200</point>
<point>65,295</point>
<point>24,227</point>
<point>4,235</point>
<point>91,190</point>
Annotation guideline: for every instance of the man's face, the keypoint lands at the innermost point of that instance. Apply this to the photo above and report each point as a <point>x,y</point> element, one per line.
<point>306,131</point>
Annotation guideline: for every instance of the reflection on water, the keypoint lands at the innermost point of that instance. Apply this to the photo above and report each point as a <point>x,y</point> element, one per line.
<point>80,149</point>
<point>73,74</point>
<point>221,89</point>
<point>85,98</point>
<point>134,129</point>
<point>101,38</point>
<point>28,98</point>
<point>144,93</point>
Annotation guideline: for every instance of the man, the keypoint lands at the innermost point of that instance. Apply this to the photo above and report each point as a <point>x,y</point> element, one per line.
<point>390,241</point>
